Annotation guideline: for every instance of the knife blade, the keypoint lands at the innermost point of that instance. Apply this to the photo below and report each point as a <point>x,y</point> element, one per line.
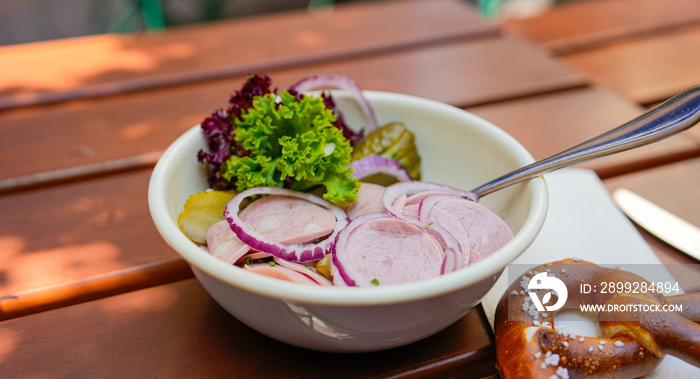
<point>668,227</point>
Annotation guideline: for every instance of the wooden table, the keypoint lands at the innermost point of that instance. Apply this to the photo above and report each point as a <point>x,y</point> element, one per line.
<point>88,287</point>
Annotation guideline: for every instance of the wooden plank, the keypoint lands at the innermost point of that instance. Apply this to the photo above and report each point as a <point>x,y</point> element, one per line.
<point>75,231</point>
<point>82,172</point>
<point>91,132</point>
<point>548,124</point>
<point>459,74</point>
<point>580,25</point>
<point>177,330</point>
<point>107,64</point>
<point>675,187</point>
<point>647,70</point>
<point>91,288</point>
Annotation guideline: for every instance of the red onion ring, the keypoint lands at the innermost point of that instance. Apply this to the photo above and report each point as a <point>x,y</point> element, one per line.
<point>395,191</point>
<point>458,238</point>
<point>293,253</point>
<point>427,204</point>
<point>304,270</point>
<point>345,270</point>
<point>452,248</point>
<point>342,82</point>
<point>349,274</point>
<point>448,231</point>
<point>377,164</point>
<point>279,272</point>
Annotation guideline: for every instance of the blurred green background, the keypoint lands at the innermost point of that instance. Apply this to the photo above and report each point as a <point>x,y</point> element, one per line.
<point>23,21</point>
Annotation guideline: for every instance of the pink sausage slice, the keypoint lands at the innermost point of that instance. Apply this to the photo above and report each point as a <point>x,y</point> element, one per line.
<point>377,249</point>
<point>369,200</point>
<point>450,225</point>
<point>288,219</point>
<point>487,232</point>
<point>224,244</point>
<point>307,270</point>
<point>416,198</point>
<point>283,219</point>
<point>279,272</point>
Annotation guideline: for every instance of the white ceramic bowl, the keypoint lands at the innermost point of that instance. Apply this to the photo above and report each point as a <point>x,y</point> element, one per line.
<point>458,149</point>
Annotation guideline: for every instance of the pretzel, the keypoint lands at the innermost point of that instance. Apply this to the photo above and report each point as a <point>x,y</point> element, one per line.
<point>530,345</point>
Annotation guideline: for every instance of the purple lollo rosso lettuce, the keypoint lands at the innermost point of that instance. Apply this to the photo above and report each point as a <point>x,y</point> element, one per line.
<point>280,140</point>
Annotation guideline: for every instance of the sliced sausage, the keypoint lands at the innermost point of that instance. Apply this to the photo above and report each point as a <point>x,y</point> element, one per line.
<point>369,200</point>
<point>288,220</point>
<point>224,244</point>
<point>487,231</point>
<point>450,225</point>
<point>283,219</point>
<point>307,270</point>
<point>279,272</point>
<point>377,249</point>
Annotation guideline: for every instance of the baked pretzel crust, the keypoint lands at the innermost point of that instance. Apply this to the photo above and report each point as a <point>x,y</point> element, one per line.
<point>530,346</point>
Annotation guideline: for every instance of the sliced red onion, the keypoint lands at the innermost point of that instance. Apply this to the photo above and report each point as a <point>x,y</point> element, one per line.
<point>279,272</point>
<point>455,237</point>
<point>487,231</point>
<point>345,83</point>
<point>295,252</point>
<point>400,204</point>
<point>417,198</point>
<point>432,265</point>
<point>427,204</point>
<point>454,258</point>
<point>396,191</point>
<point>377,164</point>
<point>343,269</point>
<point>449,232</point>
<point>338,280</point>
<point>303,269</point>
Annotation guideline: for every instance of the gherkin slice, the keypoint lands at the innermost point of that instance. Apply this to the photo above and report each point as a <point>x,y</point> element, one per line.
<point>202,210</point>
<point>392,140</point>
<point>323,267</point>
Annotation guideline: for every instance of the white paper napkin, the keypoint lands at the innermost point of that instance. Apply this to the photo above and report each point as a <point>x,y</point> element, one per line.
<point>583,222</point>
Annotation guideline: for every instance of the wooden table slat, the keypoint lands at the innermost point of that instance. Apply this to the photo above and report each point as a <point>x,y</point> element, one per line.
<point>78,230</point>
<point>580,25</point>
<point>647,70</point>
<point>78,133</point>
<point>177,330</point>
<point>675,187</point>
<point>104,65</point>
<point>82,172</point>
<point>93,288</point>
<point>550,123</point>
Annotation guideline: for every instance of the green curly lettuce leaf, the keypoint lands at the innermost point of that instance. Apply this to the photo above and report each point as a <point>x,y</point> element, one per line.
<point>294,144</point>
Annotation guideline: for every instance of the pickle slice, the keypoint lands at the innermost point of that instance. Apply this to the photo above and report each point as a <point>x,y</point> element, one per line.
<point>379,140</point>
<point>323,267</point>
<point>394,141</point>
<point>202,210</point>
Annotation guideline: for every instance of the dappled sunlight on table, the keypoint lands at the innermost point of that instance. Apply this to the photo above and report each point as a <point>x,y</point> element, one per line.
<point>23,269</point>
<point>80,61</point>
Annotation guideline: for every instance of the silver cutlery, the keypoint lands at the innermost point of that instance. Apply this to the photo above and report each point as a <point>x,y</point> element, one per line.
<point>668,227</point>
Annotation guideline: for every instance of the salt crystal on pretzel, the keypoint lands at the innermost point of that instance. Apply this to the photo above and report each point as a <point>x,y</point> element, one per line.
<point>524,335</point>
